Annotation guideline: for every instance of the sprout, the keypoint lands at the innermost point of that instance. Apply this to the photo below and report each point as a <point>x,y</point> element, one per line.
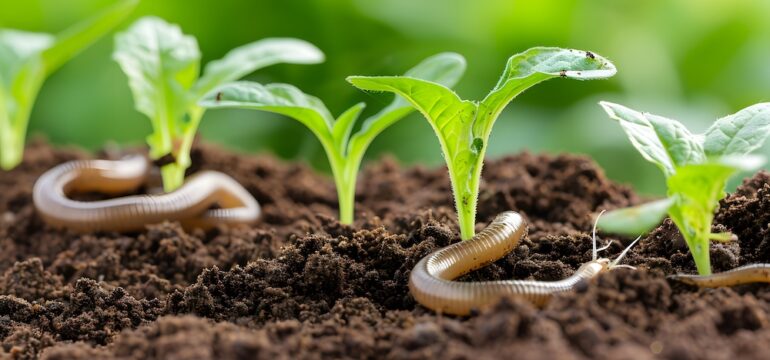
<point>27,59</point>
<point>344,148</point>
<point>696,167</point>
<point>162,65</point>
<point>463,126</point>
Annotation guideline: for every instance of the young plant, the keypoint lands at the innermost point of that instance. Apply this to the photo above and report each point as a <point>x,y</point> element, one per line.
<point>27,59</point>
<point>162,65</point>
<point>696,168</point>
<point>463,126</point>
<point>344,149</point>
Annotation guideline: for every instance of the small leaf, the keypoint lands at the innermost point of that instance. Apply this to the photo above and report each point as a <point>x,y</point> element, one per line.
<point>162,65</point>
<point>73,40</point>
<point>538,64</point>
<point>277,98</point>
<point>259,54</point>
<point>664,142</point>
<point>740,133</point>
<point>445,69</point>
<point>636,220</point>
<point>16,49</point>
<point>344,126</point>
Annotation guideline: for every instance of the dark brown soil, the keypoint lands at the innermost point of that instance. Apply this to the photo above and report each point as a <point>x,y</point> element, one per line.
<point>300,285</point>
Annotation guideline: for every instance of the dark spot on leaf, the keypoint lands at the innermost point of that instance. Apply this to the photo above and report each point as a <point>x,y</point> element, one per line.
<point>219,96</point>
<point>465,200</point>
<point>563,73</point>
<point>590,55</point>
<point>477,145</point>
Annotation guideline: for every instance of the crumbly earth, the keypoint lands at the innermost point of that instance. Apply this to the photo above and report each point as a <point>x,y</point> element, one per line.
<point>299,285</point>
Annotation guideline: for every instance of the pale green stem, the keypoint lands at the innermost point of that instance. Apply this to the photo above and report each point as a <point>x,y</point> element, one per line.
<point>700,253</point>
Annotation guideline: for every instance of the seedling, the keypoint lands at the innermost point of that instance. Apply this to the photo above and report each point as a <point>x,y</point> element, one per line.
<point>162,65</point>
<point>696,167</point>
<point>463,126</point>
<point>344,149</point>
<point>27,59</point>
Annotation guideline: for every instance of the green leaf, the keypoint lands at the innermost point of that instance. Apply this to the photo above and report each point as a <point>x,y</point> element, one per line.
<point>664,142</point>
<point>445,69</point>
<point>277,98</point>
<point>635,220</point>
<point>343,127</point>
<point>162,65</point>
<point>538,64</point>
<point>17,48</point>
<point>259,54</point>
<point>73,40</point>
<point>449,116</point>
<point>697,189</point>
<point>739,133</point>
<point>26,59</point>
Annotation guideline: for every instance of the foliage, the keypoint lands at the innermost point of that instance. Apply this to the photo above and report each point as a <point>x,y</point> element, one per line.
<point>696,167</point>
<point>463,127</point>
<point>344,148</point>
<point>162,65</point>
<point>27,59</point>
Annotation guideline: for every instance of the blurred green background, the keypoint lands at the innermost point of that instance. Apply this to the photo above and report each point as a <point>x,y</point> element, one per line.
<point>692,60</point>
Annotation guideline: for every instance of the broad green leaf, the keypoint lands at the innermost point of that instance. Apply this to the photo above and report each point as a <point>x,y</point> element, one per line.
<point>73,40</point>
<point>664,142</point>
<point>445,69</point>
<point>259,54</point>
<point>16,49</point>
<point>538,64</point>
<point>162,65</point>
<point>277,98</point>
<point>739,133</point>
<point>635,220</point>
<point>449,116</point>
<point>27,58</point>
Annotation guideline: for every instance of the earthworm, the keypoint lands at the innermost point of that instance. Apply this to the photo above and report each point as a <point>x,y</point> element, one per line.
<point>431,279</point>
<point>191,204</point>
<point>741,275</point>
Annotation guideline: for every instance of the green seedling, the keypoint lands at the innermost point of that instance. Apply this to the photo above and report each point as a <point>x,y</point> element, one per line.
<point>27,59</point>
<point>463,126</point>
<point>696,167</point>
<point>344,149</point>
<point>162,65</point>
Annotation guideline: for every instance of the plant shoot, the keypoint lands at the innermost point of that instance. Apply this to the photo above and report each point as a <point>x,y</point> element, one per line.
<point>162,65</point>
<point>463,127</point>
<point>27,59</point>
<point>696,167</point>
<point>344,148</point>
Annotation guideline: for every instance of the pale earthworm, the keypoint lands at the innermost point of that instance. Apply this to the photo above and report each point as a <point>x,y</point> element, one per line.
<point>431,281</point>
<point>753,273</point>
<point>206,198</point>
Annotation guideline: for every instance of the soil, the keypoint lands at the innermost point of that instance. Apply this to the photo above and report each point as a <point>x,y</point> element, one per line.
<point>299,285</point>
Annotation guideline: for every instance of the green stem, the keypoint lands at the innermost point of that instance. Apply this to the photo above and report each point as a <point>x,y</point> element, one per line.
<point>345,173</point>
<point>465,188</point>
<point>346,195</point>
<point>173,176</point>
<point>700,253</point>
<point>12,151</point>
